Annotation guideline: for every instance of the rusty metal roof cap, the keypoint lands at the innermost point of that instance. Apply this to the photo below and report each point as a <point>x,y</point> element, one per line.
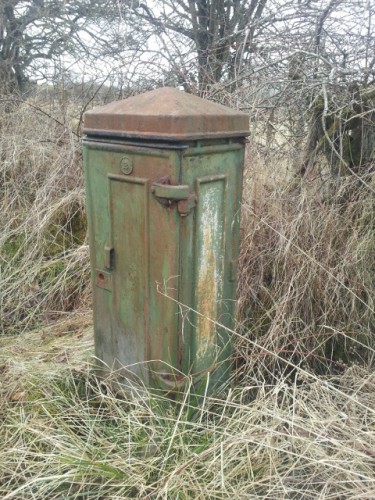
<point>166,114</point>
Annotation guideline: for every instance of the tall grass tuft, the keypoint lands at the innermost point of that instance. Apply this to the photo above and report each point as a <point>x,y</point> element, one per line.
<point>307,267</point>
<point>73,437</point>
<point>43,248</point>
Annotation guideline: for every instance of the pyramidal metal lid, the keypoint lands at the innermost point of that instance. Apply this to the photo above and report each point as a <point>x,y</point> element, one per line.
<point>167,114</point>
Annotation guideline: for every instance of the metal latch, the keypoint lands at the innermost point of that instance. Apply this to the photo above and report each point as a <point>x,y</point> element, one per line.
<point>168,195</point>
<point>108,257</point>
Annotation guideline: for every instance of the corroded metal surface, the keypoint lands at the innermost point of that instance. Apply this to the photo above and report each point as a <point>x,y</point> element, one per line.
<point>210,250</point>
<point>165,114</point>
<point>133,322</point>
<point>164,234</point>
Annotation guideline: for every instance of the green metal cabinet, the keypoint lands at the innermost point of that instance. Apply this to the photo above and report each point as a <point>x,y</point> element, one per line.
<point>163,177</point>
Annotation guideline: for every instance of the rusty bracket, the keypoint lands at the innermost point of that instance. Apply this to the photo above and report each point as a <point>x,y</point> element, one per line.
<point>184,207</point>
<point>169,191</point>
<point>170,194</point>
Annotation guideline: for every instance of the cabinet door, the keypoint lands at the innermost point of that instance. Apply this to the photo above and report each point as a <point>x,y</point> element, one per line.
<point>209,251</point>
<point>134,243</point>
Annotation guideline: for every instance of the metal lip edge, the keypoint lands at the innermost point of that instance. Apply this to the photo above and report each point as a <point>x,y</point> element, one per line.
<point>165,137</point>
<point>141,146</point>
<point>213,149</point>
<point>158,148</point>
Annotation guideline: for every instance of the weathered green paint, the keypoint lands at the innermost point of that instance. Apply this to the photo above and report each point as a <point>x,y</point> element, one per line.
<point>164,234</point>
<point>209,253</point>
<point>125,216</point>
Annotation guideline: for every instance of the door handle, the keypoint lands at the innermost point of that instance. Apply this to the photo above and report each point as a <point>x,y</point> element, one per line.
<point>109,253</point>
<point>169,195</point>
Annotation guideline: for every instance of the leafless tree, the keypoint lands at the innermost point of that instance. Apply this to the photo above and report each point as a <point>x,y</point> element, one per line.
<point>32,32</point>
<point>212,30</point>
<point>308,64</point>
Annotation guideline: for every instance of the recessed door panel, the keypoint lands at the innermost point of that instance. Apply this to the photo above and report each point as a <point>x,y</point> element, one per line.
<point>134,243</point>
<point>209,251</point>
<point>129,238</point>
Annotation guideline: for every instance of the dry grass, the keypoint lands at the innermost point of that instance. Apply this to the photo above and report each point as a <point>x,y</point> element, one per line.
<point>67,435</point>
<point>297,422</point>
<point>43,249</point>
<point>307,270</point>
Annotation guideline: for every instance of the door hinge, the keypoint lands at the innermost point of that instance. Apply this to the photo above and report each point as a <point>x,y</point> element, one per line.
<point>169,195</point>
